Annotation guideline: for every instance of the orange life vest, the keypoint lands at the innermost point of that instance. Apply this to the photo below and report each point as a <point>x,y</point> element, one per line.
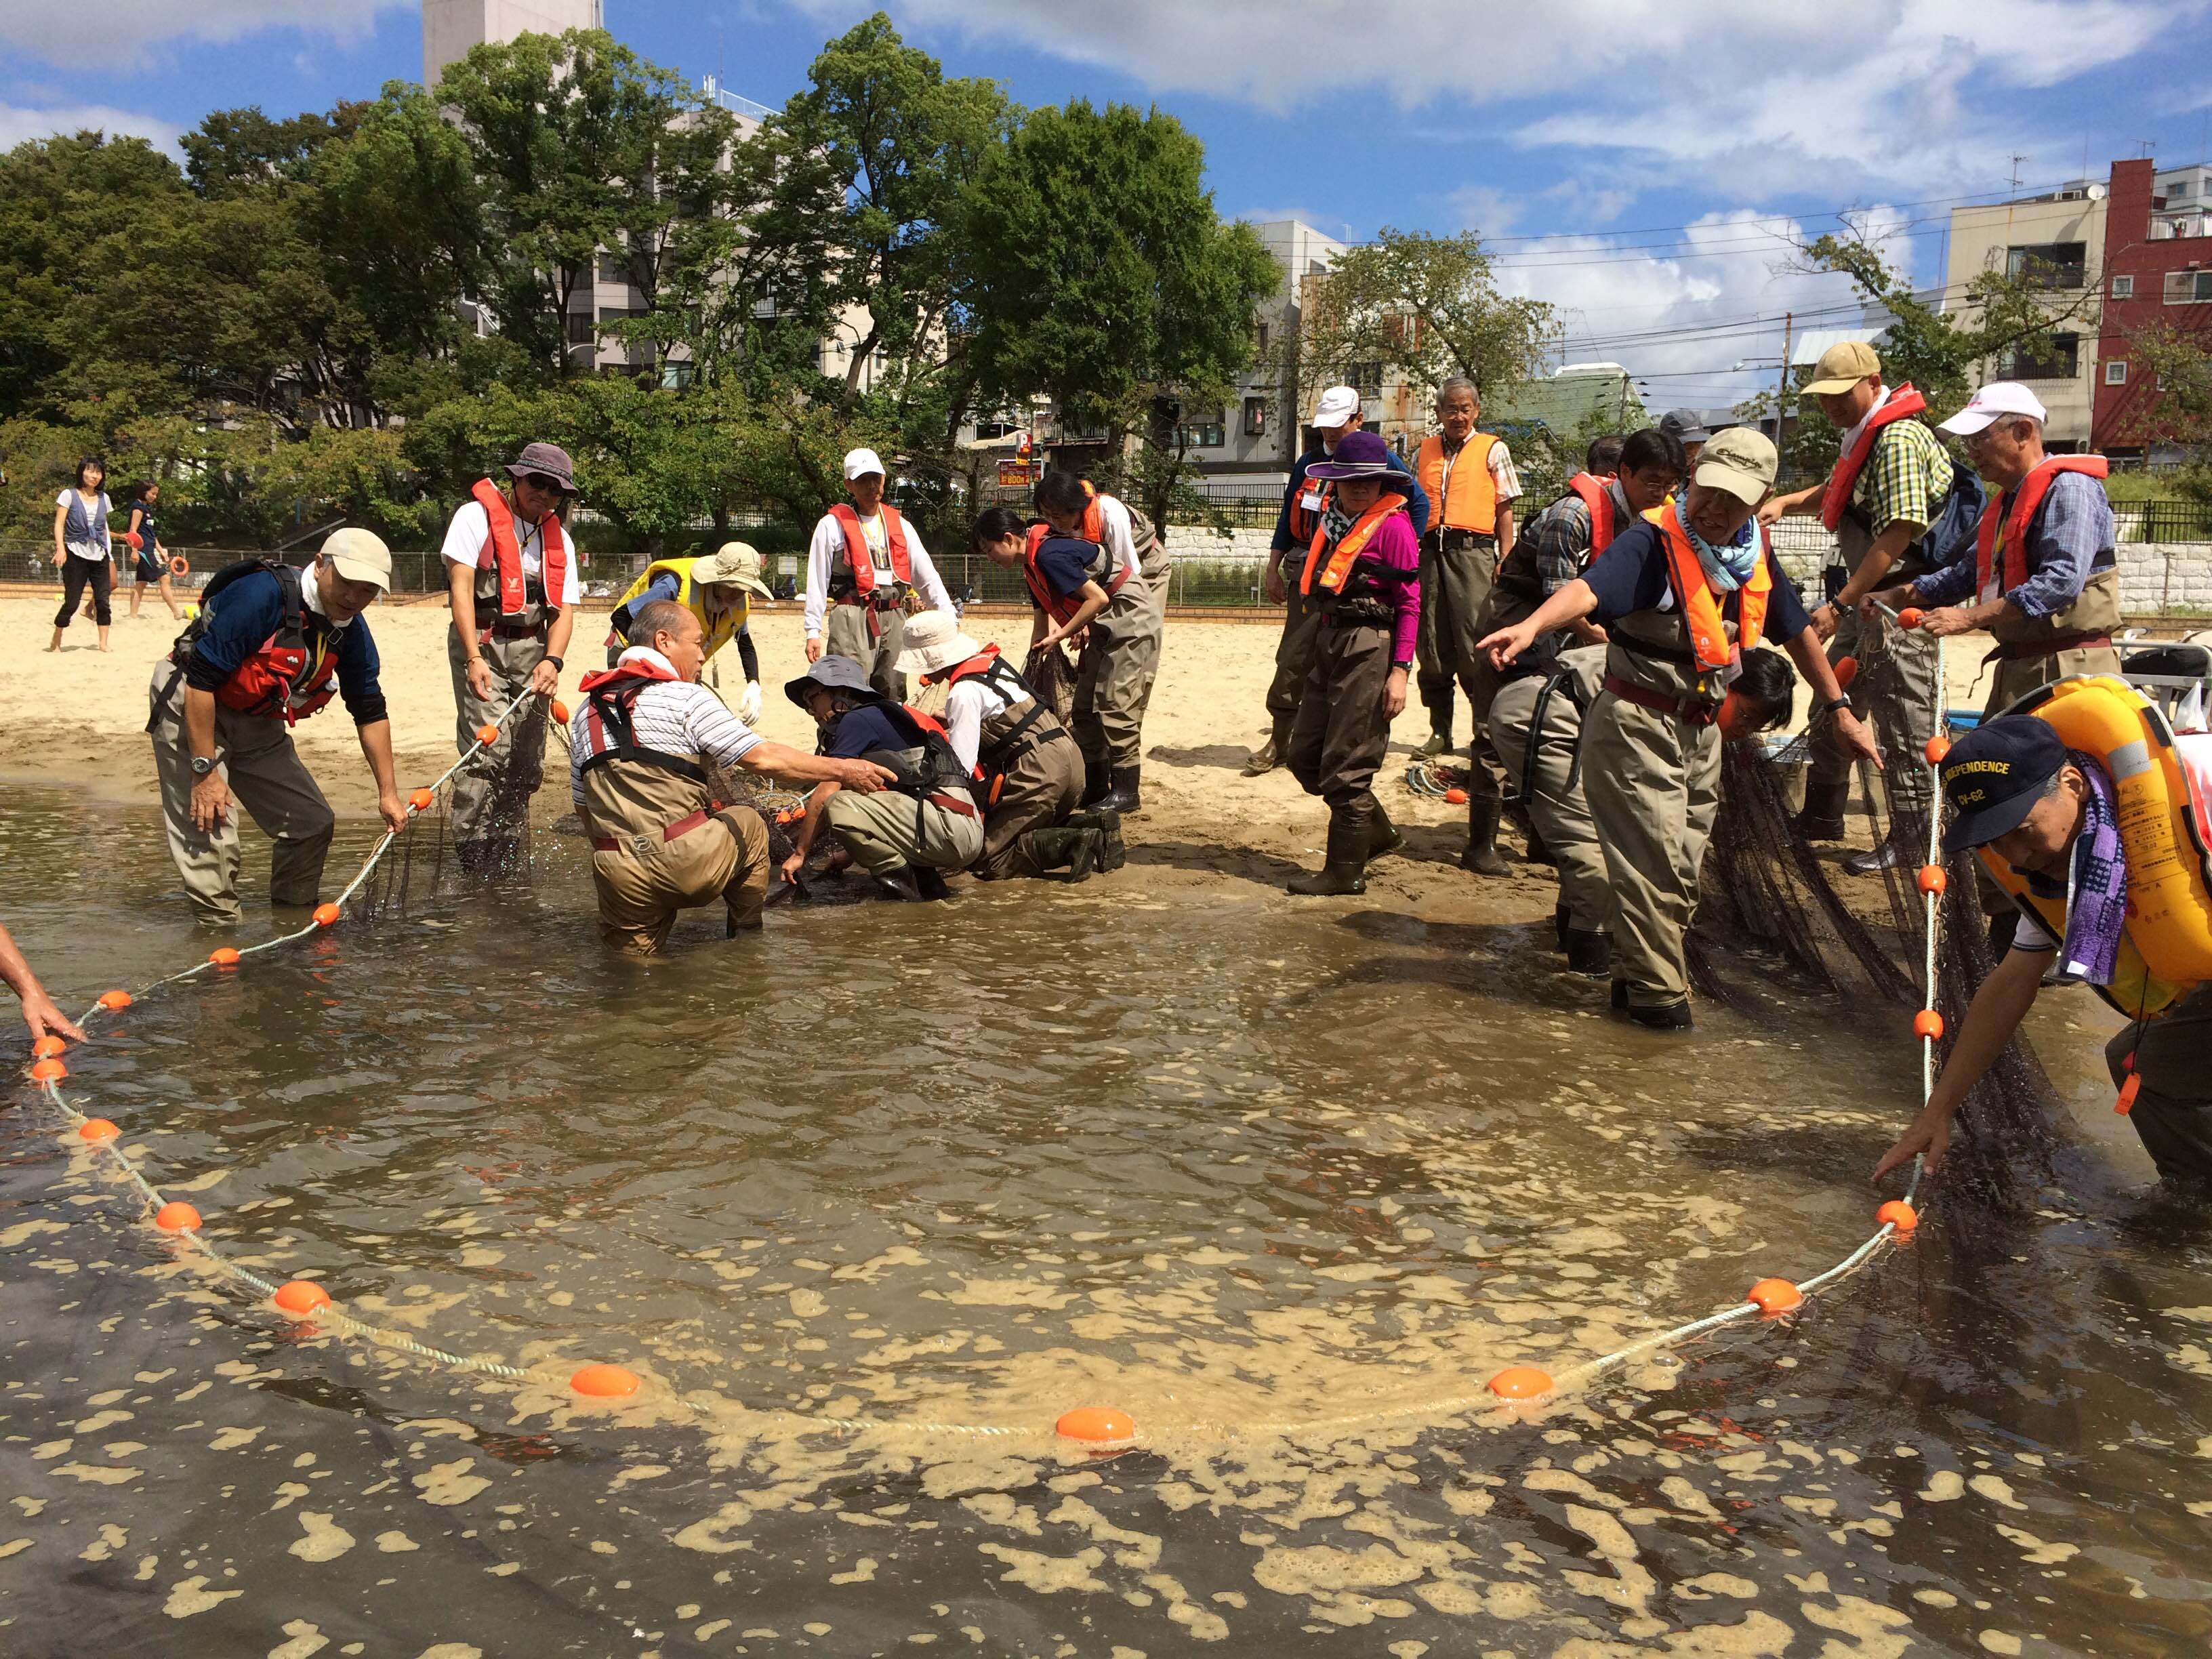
<point>857,555</point>
<point>502,550</point>
<point>1903,404</point>
<point>1598,498</point>
<point>1471,502</point>
<point>1330,575</point>
<point>1700,604</point>
<point>2027,496</point>
<point>1303,519</point>
<point>1061,607</point>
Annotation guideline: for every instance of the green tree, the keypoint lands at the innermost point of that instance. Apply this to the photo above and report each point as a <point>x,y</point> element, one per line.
<point>1095,270</point>
<point>1424,308</point>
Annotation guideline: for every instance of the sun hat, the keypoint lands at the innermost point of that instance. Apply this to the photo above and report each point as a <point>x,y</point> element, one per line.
<point>734,564</point>
<point>932,642</point>
<point>834,673</point>
<point>1842,366</point>
<point>859,463</point>
<point>1994,775</point>
<point>1339,404</point>
<point>544,461</point>
<point>1360,455</point>
<point>360,556</point>
<point>1994,402</point>
<point>1740,460</point>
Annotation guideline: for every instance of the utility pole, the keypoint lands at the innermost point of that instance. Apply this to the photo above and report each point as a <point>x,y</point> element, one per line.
<point>1782,391</point>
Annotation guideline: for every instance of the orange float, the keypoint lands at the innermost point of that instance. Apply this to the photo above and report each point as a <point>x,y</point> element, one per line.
<point>47,1046</point>
<point>1932,879</point>
<point>97,1130</point>
<point>420,800</point>
<point>1774,1296</point>
<point>1911,617</point>
<point>1094,1424</point>
<point>1457,797</point>
<point>1898,1214</point>
<point>115,999</point>
<point>1938,746</point>
<point>1521,1382</point>
<point>487,734</point>
<point>1927,1024</point>
<point>605,1381</point>
<point>302,1296</point>
<point>176,1217</point>
<point>224,957</point>
<point>48,1071</point>
<point>1846,670</point>
<point>326,915</point>
<point>560,711</point>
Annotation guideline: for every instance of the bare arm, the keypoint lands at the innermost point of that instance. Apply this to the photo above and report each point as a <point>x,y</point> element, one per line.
<point>61,523</point>
<point>780,759</point>
<point>1995,1014</point>
<point>1093,601</point>
<point>1797,502</point>
<point>376,748</point>
<point>40,1013</point>
<point>461,586</point>
<point>1812,662</point>
<point>1505,528</point>
<point>1570,604</point>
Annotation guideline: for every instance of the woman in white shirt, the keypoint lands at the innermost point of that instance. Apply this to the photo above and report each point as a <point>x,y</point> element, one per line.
<point>81,552</point>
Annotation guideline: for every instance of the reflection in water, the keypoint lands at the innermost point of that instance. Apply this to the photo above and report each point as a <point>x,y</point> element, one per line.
<point>1229,1167</point>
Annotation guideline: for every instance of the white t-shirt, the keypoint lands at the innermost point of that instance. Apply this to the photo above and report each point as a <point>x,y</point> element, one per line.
<point>677,717</point>
<point>970,703</point>
<point>95,553</point>
<point>472,528</point>
<point>1114,526</point>
<point>829,543</point>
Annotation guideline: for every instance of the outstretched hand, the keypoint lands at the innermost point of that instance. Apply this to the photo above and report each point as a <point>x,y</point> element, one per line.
<point>1927,1138</point>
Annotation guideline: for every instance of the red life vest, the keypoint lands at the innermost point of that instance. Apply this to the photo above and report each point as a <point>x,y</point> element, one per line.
<point>857,556</point>
<point>286,675</point>
<point>1303,519</point>
<point>503,551</point>
<point>1700,605</point>
<point>1599,499</point>
<point>1331,576</point>
<point>2026,497</point>
<point>609,719</point>
<point>1061,607</point>
<point>1904,404</point>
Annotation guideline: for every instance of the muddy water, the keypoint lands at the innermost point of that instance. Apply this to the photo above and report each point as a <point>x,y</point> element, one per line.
<point>1286,1185</point>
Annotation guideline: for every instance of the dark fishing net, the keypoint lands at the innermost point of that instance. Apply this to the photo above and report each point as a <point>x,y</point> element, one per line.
<point>1051,674</point>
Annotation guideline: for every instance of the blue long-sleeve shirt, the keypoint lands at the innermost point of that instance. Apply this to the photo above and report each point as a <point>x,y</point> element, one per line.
<point>666,586</point>
<point>2072,535</point>
<point>1417,499</point>
<point>241,619</point>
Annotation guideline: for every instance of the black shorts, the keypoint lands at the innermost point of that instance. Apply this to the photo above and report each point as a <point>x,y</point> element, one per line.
<point>149,570</point>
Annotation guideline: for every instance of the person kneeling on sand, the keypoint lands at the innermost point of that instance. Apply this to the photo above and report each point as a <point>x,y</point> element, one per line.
<point>639,747</point>
<point>925,824</point>
<point>1028,771</point>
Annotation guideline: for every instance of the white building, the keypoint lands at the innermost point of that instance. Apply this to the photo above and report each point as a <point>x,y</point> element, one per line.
<point>450,28</point>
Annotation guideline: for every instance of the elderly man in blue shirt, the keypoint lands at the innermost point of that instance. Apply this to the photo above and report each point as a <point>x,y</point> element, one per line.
<point>1338,412</point>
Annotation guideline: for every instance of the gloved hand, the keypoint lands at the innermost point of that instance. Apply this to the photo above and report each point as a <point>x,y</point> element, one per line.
<point>749,706</point>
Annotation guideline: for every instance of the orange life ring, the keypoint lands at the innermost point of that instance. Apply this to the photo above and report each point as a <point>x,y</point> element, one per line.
<point>179,565</point>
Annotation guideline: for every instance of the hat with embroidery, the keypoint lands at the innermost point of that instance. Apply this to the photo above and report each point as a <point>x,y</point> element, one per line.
<point>1995,775</point>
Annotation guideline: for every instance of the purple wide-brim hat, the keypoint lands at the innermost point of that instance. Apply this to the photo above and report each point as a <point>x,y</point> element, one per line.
<point>1361,455</point>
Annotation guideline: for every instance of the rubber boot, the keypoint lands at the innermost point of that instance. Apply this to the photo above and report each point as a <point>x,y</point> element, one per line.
<point>1098,780</point>
<point>1345,869</point>
<point>930,883</point>
<point>1890,852</point>
<point>1122,795</point>
<point>1113,851</point>
<point>899,884</point>
<point>1590,952</point>
<point>1559,914</point>
<point>1269,755</point>
<point>1074,850</point>
<point>1383,836</point>
<point>1480,855</point>
<point>1538,852</point>
<point>1438,702</point>
<point>1823,817</point>
<point>1669,1017</point>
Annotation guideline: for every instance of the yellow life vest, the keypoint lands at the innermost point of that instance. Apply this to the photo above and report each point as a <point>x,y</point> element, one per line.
<point>720,629</point>
<point>2167,950</point>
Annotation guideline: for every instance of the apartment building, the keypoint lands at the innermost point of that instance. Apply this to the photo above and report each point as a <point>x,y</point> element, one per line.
<point>2056,239</point>
<point>2157,278</point>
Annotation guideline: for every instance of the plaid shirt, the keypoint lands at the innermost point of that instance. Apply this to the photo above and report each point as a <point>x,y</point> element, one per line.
<point>1560,538</point>
<point>1906,478</point>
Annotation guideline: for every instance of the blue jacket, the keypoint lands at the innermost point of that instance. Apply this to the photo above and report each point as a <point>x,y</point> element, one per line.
<point>239,621</point>
<point>1417,499</point>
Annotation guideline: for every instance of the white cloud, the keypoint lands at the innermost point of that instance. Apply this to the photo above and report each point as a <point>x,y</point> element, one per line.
<point>62,31</point>
<point>18,123</point>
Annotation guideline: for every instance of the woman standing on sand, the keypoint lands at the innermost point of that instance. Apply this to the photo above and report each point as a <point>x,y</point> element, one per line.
<point>150,566</point>
<point>81,550</point>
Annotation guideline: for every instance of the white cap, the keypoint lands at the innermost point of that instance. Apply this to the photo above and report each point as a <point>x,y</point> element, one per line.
<point>1993,403</point>
<point>1337,406</point>
<point>859,463</point>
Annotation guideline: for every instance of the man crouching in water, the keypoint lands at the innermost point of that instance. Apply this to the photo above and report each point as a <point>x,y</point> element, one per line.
<point>639,750</point>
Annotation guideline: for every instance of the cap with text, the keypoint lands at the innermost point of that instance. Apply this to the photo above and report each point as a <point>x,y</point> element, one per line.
<point>1842,366</point>
<point>360,556</point>
<point>1740,459</point>
<point>1995,773</point>
<point>1993,403</point>
<point>1338,405</point>
<point>859,463</point>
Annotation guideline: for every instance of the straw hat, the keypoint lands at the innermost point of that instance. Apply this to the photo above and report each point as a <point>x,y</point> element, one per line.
<point>933,643</point>
<point>734,564</point>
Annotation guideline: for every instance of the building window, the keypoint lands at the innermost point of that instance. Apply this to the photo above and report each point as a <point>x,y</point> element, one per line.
<point>2177,192</point>
<point>611,269</point>
<point>2059,360</point>
<point>2116,371</point>
<point>1255,417</point>
<point>2048,265</point>
<point>2123,287</point>
<point>2188,287</point>
<point>1366,379</point>
<point>1263,336</point>
<point>582,331</point>
<point>1212,434</point>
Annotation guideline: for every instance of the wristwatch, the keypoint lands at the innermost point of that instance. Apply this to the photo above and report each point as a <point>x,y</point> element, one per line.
<point>202,765</point>
<point>557,664</point>
<point>1835,703</point>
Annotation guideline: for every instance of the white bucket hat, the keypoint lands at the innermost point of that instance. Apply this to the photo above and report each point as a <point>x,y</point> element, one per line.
<point>933,643</point>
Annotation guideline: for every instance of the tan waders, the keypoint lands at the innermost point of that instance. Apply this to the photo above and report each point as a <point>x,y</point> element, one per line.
<point>846,633</point>
<point>492,793</point>
<point>2173,1109</point>
<point>1041,785</point>
<point>1337,745</point>
<point>1114,684</point>
<point>1459,569</point>
<point>1535,727</point>
<point>1294,656</point>
<point>888,832</point>
<point>271,785</point>
<point>659,846</point>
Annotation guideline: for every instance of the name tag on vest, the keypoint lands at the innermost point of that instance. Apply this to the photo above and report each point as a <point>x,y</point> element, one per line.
<point>1310,500</point>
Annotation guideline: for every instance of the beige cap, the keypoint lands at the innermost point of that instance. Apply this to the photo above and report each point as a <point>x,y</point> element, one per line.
<point>360,556</point>
<point>933,643</point>
<point>1740,459</point>
<point>1842,366</point>
<point>737,564</point>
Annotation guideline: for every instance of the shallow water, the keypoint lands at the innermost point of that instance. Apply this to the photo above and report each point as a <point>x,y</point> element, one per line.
<point>1287,1186</point>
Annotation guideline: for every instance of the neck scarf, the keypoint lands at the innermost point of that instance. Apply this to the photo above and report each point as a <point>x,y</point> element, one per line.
<point>1726,567</point>
<point>2096,887</point>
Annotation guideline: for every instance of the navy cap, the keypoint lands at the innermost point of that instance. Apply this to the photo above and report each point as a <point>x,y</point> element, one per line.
<point>1995,773</point>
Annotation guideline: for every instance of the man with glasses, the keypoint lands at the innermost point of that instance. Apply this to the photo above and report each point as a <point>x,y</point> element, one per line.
<point>512,577</point>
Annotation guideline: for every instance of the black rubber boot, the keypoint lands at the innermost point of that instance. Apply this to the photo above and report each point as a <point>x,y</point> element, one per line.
<point>899,884</point>
<point>1345,870</point>
<point>1589,953</point>
<point>1098,780</point>
<point>1122,796</point>
<point>1621,996</point>
<point>1113,851</point>
<point>1823,817</point>
<point>1069,848</point>
<point>1669,1017</point>
<point>1481,855</point>
<point>930,883</point>
<point>1437,700</point>
<point>1269,755</point>
<point>1383,836</point>
<point>1560,925</point>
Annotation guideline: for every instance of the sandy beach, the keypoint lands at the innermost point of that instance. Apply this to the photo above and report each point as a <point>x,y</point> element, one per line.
<point>77,717</point>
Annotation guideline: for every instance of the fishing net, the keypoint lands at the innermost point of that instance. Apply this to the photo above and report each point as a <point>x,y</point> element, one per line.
<point>1051,673</point>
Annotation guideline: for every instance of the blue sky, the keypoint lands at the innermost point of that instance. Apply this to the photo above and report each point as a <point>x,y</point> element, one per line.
<point>1641,165</point>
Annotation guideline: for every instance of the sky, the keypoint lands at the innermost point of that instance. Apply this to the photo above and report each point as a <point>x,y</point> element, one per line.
<point>1646,167</point>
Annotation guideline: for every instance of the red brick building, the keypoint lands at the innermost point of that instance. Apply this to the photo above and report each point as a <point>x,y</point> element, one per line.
<point>2157,276</point>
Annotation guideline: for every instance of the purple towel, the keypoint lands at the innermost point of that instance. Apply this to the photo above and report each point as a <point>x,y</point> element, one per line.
<point>2097,909</point>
